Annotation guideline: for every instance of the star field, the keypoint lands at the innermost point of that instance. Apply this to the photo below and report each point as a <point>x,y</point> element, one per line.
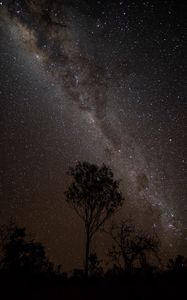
<point>103,81</point>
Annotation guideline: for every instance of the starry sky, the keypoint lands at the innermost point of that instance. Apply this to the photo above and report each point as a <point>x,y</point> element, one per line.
<point>101,81</point>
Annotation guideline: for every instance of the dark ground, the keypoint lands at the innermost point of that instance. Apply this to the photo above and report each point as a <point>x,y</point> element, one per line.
<point>165,286</point>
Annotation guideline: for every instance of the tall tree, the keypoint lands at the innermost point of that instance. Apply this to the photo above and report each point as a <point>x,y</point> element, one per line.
<point>95,196</point>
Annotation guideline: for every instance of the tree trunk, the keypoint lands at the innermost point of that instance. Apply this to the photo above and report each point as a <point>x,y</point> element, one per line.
<point>87,253</point>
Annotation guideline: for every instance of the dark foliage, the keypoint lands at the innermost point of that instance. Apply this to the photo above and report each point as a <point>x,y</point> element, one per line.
<point>25,273</point>
<point>21,255</point>
<point>178,264</point>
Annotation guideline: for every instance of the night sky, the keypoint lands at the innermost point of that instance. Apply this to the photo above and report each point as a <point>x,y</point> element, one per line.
<point>101,81</point>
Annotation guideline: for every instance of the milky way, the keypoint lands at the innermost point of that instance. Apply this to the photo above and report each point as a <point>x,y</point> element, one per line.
<point>102,82</point>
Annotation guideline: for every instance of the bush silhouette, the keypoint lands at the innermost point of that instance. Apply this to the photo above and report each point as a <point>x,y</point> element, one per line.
<point>20,255</point>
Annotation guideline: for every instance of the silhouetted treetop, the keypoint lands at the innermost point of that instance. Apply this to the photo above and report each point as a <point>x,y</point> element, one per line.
<point>94,194</point>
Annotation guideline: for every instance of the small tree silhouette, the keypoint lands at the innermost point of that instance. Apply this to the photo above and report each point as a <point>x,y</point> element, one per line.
<point>20,255</point>
<point>131,245</point>
<point>94,195</point>
<point>178,264</point>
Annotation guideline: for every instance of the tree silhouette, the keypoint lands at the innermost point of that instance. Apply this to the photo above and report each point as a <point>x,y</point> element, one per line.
<point>95,268</point>
<point>131,245</point>
<point>178,264</point>
<point>94,195</point>
<point>20,255</point>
